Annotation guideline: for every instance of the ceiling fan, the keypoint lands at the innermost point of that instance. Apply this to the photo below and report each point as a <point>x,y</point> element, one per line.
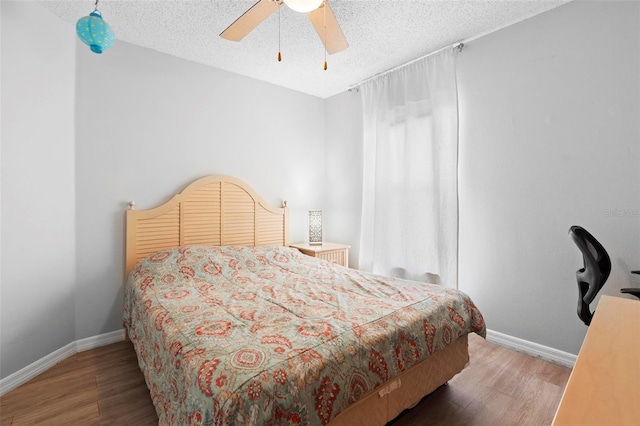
<point>318,11</point>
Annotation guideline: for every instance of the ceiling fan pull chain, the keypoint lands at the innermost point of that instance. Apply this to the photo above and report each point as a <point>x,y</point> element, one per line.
<point>279,23</point>
<point>324,11</point>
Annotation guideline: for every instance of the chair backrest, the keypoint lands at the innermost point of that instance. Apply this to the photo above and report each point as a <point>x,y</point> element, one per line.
<point>596,270</point>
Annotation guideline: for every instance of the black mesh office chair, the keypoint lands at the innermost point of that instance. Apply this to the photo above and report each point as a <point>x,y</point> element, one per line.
<point>596,270</point>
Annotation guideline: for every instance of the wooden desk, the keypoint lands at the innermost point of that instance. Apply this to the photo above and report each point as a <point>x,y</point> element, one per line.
<point>604,386</point>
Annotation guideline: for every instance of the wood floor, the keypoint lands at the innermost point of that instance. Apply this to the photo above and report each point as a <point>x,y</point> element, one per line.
<point>104,386</point>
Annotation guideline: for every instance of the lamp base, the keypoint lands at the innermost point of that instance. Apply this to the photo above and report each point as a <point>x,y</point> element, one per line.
<point>315,243</point>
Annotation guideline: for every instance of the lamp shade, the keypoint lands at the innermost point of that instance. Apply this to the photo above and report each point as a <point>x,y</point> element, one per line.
<point>95,32</point>
<point>315,227</point>
<point>303,6</point>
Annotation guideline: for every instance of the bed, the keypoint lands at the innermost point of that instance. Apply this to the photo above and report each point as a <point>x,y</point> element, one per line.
<point>232,326</point>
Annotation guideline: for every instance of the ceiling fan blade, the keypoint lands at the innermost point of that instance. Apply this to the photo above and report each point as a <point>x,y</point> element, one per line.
<point>335,39</point>
<point>249,20</point>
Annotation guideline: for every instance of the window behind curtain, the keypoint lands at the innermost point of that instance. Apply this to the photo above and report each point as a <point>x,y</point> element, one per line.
<point>409,223</point>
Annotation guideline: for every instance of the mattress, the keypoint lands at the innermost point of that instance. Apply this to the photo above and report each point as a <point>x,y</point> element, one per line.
<point>267,335</point>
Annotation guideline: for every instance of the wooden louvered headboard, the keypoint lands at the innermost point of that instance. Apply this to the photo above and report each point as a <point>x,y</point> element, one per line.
<point>214,210</point>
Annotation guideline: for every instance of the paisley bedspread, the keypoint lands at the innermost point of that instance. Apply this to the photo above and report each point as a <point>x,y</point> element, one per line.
<point>267,335</point>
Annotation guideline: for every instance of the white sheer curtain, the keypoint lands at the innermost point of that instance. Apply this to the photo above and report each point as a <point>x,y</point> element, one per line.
<point>410,190</point>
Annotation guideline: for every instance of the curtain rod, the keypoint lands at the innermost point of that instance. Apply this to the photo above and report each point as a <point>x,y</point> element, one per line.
<point>356,87</point>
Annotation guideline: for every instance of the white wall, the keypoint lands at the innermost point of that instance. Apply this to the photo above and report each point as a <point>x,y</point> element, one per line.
<point>343,183</point>
<point>38,256</point>
<point>148,124</point>
<point>83,134</point>
<point>549,138</point>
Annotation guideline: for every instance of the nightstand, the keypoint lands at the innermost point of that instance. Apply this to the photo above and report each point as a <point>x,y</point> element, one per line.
<point>335,253</point>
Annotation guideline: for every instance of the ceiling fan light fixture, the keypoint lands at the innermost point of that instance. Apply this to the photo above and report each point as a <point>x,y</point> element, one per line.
<point>303,6</point>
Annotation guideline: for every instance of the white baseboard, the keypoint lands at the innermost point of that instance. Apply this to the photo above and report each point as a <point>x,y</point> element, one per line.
<point>40,366</point>
<point>530,348</point>
<point>99,340</point>
<point>43,364</point>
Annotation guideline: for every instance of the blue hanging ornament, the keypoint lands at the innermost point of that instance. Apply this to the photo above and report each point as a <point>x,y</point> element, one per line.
<point>95,32</point>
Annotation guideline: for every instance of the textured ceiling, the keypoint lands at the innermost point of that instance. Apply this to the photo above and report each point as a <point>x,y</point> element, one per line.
<point>381,34</point>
